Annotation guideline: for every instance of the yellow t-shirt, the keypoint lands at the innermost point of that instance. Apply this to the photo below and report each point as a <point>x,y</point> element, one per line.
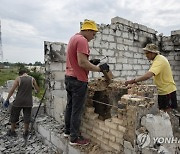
<point>163,78</point>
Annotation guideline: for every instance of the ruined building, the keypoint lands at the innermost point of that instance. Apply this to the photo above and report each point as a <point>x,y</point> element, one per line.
<point>116,115</point>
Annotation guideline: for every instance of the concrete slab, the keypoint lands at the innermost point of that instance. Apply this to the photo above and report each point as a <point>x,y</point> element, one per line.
<point>45,127</point>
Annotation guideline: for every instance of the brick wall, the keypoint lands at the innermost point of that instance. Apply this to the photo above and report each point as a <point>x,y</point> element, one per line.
<point>113,131</point>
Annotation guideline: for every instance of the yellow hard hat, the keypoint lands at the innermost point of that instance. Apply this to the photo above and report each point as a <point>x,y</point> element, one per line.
<point>89,25</point>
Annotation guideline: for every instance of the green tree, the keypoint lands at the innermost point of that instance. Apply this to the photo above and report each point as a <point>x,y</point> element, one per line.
<point>37,63</point>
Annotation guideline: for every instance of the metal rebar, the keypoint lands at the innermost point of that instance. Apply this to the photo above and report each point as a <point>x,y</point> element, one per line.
<point>104,103</point>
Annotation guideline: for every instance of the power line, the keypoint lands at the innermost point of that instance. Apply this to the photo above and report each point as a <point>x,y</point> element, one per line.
<point>1,51</point>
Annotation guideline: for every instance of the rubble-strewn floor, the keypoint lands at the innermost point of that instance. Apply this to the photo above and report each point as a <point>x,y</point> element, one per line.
<point>9,145</point>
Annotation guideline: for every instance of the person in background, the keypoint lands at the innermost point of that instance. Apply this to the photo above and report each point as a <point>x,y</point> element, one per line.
<point>76,79</point>
<point>161,72</point>
<point>23,101</point>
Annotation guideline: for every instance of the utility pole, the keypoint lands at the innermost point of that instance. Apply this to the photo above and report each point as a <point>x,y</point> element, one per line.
<point>1,51</point>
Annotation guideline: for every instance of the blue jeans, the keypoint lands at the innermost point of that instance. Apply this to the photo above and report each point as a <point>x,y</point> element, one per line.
<point>76,95</point>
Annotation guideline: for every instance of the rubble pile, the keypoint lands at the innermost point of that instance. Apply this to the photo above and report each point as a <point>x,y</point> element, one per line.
<point>9,145</point>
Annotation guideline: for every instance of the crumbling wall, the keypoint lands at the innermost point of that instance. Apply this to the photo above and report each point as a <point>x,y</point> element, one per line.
<point>121,42</point>
<point>54,74</point>
<point>125,106</point>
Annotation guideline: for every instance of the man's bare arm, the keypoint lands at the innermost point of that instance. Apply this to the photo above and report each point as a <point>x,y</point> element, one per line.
<point>146,76</point>
<point>35,85</point>
<point>84,63</point>
<point>15,85</point>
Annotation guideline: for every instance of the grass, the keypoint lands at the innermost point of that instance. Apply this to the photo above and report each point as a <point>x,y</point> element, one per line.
<point>7,74</point>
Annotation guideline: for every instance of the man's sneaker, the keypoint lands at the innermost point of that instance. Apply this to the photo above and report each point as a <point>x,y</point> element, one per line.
<point>66,135</point>
<point>25,135</point>
<point>11,133</point>
<point>80,141</point>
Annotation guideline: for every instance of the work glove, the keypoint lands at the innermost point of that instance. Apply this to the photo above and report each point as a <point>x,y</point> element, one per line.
<point>104,67</point>
<point>130,82</point>
<point>6,103</point>
<point>95,61</point>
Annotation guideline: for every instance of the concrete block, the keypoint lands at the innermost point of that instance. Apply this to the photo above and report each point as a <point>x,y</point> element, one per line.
<point>44,132</point>
<point>127,67</point>
<point>127,151</point>
<point>59,93</point>
<point>117,20</point>
<point>97,44</point>
<point>58,141</point>
<point>106,30</point>
<point>128,145</point>
<point>56,67</point>
<point>107,52</point>
<point>35,108</point>
<point>175,32</point>
<point>57,85</point>
<point>150,30</point>
<point>73,150</point>
<point>128,42</point>
<point>59,107</point>
<point>104,45</point>
<point>155,123</point>
<point>112,46</point>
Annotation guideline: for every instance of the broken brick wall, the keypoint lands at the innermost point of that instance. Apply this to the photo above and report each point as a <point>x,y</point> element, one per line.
<point>114,128</point>
<point>122,41</point>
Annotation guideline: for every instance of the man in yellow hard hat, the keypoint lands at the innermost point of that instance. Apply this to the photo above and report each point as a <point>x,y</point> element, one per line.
<point>161,72</point>
<point>76,79</point>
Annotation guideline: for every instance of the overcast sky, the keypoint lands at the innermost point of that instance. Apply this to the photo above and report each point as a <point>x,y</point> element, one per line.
<point>26,24</point>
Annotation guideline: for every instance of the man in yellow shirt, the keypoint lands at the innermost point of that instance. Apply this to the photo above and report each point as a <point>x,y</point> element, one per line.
<point>161,72</point>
